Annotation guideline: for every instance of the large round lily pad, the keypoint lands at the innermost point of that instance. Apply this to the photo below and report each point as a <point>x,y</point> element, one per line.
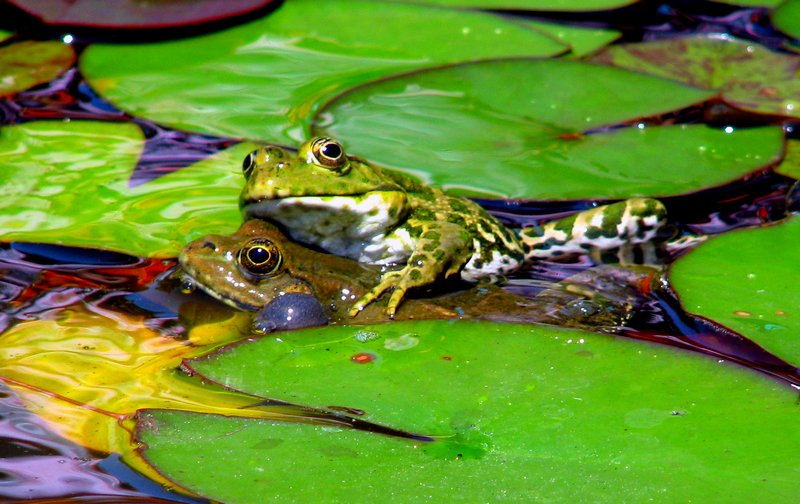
<point>745,74</point>
<point>537,5</point>
<point>28,63</point>
<point>518,128</point>
<point>263,80</point>
<point>525,414</point>
<point>67,183</point>
<point>748,280</point>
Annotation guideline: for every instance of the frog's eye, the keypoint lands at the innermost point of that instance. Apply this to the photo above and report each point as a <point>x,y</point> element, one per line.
<point>259,257</point>
<point>328,153</point>
<point>249,163</point>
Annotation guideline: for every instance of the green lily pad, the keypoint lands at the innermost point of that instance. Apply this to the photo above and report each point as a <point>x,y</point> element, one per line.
<point>515,128</point>
<point>747,280</point>
<point>538,5</point>
<point>525,414</point>
<point>745,74</point>
<point>790,166</point>
<point>265,79</point>
<point>753,3</point>
<point>67,183</point>
<point>28,63</point>
<point>786,18</point>
<point>581,40</point>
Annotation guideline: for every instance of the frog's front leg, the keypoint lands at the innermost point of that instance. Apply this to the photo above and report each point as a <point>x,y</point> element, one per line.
<point>441,249</point>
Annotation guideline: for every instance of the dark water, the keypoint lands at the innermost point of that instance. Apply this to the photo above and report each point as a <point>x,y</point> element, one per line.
<point>36,464</point>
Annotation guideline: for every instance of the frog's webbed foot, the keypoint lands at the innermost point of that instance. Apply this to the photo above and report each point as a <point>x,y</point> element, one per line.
<point>395,281</point>
<point>442,249</point>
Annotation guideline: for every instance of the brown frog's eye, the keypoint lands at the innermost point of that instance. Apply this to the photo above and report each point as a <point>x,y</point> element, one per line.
<point>249,163</point>
<point>260,257</point>
<point>329,153</point>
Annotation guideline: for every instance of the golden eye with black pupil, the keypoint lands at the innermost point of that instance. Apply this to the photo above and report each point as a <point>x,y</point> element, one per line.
<point>259,257</point>
<point>329,153</point>
<point>249,163</point>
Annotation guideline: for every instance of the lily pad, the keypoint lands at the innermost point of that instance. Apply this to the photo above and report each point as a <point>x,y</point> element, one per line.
<point>265,79</point>
<point>130,14</point>
<point>28,63</point>
<point>537,5</point>
<point>790,166</point>
<point>753,3</point>
<point>67,183</point>
<point>745,74</point>
<point>518,129</point>
<point>786,18</point>
<point>581,40</point>
<point>747,280</point>
<point>524,413</point>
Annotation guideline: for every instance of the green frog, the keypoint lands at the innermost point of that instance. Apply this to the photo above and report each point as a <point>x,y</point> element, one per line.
<point>288,285</point>
<point>351,208</point>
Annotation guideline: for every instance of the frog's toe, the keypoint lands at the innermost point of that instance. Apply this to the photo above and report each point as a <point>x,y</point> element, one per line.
<point>388,282</point>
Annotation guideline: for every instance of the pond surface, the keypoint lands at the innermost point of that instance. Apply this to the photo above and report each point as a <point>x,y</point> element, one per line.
<point>122,143</point>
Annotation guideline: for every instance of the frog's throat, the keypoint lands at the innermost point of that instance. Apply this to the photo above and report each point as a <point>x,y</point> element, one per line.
<point>188,275</point>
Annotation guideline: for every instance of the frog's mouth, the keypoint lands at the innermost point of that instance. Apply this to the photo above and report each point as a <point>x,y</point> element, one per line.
<point>190,283</point>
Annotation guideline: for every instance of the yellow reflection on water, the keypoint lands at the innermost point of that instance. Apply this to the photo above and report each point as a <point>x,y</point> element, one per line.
<point>87,371</point>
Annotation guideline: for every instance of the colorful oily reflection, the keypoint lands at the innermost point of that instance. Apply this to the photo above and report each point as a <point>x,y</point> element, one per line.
<point>87,370</point>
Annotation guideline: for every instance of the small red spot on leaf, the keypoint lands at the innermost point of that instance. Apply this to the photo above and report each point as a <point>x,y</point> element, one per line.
<point>447,358</point>
<point>362,358</point>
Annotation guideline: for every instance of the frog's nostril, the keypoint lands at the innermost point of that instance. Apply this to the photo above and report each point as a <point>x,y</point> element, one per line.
<point>209,245</point>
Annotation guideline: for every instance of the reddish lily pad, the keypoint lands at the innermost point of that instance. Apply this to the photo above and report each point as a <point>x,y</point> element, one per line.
<point>135,14</point>
<point>523,129</point>
<point>28,63</point>
<point>521,413</point>
<point>745,74</point>
<point>265,79</point>
<point>748,280</point>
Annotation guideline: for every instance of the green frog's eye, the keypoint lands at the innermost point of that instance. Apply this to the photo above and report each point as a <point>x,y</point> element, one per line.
<point>249,163</point>
<point>260,257</point>
<point>328,153</point>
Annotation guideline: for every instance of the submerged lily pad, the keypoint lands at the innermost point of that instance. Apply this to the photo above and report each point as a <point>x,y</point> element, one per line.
<point>747,280</point>
<point>135,13</point>
<point>524,414</point>
<point>28,63</point>
<point>538,5</point>
<point>265,79</point>
<point>745,74</point>
<point>518,129</point>
<point>67,183</point>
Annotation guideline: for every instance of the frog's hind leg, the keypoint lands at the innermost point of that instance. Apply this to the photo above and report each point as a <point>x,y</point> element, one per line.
<point>442,249</point>
<point>633,221</point>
